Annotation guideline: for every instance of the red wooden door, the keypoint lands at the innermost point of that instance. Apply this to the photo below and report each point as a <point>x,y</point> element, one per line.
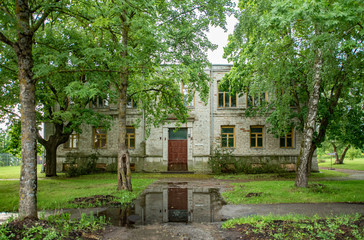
<point>177,155</point>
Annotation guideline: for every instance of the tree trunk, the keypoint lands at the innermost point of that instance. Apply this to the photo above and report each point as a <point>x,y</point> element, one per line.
<point>341,160</point>
<point>28,174</point>
<point>306,145</point>
<point>124,172</point>
<point>51,161</point>
<point>337,160</point>
<point>51,145</point>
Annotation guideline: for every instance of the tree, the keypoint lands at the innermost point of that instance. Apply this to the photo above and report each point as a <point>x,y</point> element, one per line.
<point>348,128</point>
<point>150,49</point>
<point>305,53</point>
<point>20,21</point>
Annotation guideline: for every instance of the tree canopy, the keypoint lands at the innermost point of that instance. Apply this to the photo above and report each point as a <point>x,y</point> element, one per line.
<point>307,55</point>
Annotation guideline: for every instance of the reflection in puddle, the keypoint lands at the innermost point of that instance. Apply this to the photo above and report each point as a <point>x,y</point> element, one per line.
<point>169,203</point>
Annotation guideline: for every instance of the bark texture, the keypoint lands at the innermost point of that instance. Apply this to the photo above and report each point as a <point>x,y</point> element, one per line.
<point>341,159</point>
<point>51,145</point>
<point>309,128</point>
<point>28,174</point>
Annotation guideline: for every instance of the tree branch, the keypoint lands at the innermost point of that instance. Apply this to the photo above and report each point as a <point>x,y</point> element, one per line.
<point>4,39</point>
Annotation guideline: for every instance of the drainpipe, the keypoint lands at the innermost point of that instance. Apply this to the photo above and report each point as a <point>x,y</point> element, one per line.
<point>211,110</point>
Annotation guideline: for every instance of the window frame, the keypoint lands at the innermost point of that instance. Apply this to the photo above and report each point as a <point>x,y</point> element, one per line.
<point>250,100</point>
<point>256,136</point>
<point>130,136</point>
<point>132,105</point>
<point>100,137</point>
<point>97,99</point>
<point>186,88</point>
<point>70,141</point>
<point>227,136</point>
<point>224,98</point>
<point>285,140</point>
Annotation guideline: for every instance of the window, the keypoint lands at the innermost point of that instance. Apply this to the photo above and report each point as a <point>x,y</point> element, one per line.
<point>257,99</point>
<point>186,98</point>
<point>99,138</point>
<point>227,136</point>
<point>72,142</point>
<point>130,137</point>
<point>287,140</point>
<point>256,136</point>
<point>131,103</point>
<point>99,102</point>
<point>225,99</point>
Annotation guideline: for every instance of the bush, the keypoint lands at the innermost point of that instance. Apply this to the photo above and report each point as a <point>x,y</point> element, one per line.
<point>111,167</point>
<point>81,165</point>
<point>224,162</point>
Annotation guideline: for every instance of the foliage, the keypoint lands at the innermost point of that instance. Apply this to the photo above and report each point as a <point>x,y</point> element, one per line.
<point>299,227</point>
<point>222,161</point>
<point>54,227</point>
<point>292,50</point>
<point>285,192</point>
<point>77,166</point>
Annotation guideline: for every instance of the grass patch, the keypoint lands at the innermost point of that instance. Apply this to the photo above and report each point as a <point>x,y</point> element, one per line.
<point>13,172</point>
<point>297,227</point>
<point>267,192</point>
<point>279,176</point>
<point>56,193</point>
<point>356,164</point>
<point>54,227</point>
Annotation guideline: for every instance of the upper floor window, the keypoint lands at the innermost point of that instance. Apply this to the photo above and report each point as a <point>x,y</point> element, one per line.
<point>131,103</point>
<point>257,136</point>
<point>226,99</point>
<point>186,96</point>
<point>99,102</point>
<point>99,138</point>
<point>287,140</point>
<point>227,136</point>
<point>257,99</point>
<point>72,142</point>
<point>130,137</point>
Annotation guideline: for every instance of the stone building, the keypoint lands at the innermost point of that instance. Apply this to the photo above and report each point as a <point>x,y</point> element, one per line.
<point>219,123</point>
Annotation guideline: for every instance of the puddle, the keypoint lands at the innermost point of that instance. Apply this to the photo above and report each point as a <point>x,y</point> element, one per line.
<point>169,202</point>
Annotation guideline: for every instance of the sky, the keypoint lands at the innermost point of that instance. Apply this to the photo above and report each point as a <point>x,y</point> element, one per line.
<point>219,37</point>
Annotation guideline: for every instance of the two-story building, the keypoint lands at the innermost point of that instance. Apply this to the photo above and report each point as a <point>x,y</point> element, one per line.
<point>219,123</point>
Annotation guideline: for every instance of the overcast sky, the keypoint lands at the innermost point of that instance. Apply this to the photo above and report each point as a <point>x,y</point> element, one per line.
<point>219,37</point>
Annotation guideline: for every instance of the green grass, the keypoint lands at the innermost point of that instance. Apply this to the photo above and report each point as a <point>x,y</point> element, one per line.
<point>56,193</point>
<point>286,192</point>
<point>279,176</point>
<point>297,227</point>
<point>13,172</point>
<point>356,164</point>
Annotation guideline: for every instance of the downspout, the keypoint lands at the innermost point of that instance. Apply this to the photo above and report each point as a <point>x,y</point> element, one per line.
<point>211,110</point>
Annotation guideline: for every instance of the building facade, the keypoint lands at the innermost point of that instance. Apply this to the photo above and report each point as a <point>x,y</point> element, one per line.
<point>218,124</point>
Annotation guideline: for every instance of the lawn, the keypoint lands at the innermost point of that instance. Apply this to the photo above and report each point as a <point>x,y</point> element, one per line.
<point>13,172</point>
<point>56,193</point>
<point>356,164</point>
<point>279,176</point>
<point>268,192</point>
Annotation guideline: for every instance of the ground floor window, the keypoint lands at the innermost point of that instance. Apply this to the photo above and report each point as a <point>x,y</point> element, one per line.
<point>99,138</point>
<point>287,140</point>
<point>257,136</point>
<point>227,136</point>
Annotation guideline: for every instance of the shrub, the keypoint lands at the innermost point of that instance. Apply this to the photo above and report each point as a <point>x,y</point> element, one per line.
<point>81,165</point>
<point>224,162</point>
